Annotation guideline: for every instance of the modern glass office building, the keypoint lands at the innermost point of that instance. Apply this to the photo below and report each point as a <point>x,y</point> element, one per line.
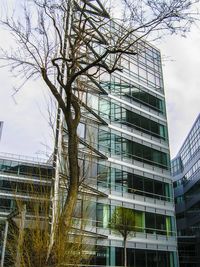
<point>127,135</point>
<point>186,174</point>
<point>124,160</point>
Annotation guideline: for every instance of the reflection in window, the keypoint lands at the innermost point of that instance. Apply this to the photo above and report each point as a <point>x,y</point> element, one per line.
<point>81,130</point>
<point>137,93</point>
<point>100,257</point>
<point>20,168</point>
<point>118,114</point>
<point>28,187</point>
<point>145,222</point>
<point>140,259</point>
<point>122,181</point>
<point>118,145</point>
<point>144,258</point>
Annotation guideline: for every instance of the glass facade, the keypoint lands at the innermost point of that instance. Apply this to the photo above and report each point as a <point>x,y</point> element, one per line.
<point>134,92</point>
<point>135,257</point>
<point>113,144</point>
<point>24,168</point>
<point>130,165</point>
<point>22,180</point>
<point>145,222</point>
<point>119,114</point>
<point>123,181</point>
<point>191,145</point>
<point>186,174</point>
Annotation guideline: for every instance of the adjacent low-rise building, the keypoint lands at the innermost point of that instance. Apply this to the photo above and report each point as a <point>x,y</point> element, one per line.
<point>23,180</point>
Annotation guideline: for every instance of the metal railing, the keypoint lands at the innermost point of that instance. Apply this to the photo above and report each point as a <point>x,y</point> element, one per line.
<point>10,156</point>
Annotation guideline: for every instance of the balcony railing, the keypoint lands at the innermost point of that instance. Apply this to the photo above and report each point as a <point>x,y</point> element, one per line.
<point>23,158</point>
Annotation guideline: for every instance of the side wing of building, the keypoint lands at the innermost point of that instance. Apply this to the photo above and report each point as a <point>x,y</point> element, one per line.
<point>186,175</point>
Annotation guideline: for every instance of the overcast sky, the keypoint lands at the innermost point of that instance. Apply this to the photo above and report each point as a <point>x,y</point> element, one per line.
<point>26,129</point>
<point>181,73</point>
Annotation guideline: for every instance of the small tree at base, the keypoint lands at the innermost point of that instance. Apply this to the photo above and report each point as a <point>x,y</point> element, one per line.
<point>123,222</point>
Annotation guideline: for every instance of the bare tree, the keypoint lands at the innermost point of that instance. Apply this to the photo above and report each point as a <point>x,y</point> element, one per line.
<point>71,44</point>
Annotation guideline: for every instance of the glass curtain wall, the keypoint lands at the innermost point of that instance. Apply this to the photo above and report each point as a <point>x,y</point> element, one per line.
<point>131,163</point>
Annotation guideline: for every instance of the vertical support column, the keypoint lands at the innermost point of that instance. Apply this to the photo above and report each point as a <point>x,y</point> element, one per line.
<point>107,256</point>
<point>4,244</point>
<point>174,259</point>
<point>112,256</point>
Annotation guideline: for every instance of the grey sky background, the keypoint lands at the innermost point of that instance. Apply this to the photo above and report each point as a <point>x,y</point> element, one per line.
<point>25,116</point>
<point>181,72</point>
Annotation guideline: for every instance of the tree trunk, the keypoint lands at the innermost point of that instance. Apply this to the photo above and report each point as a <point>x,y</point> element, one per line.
<point>65,220</point>
<point>73,176</point>
<point>125,254</point>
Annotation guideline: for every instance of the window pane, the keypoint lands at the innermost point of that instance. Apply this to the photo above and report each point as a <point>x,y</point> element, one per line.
<point>140,258</point>
<point>151,259</point>
<point>150,222</point>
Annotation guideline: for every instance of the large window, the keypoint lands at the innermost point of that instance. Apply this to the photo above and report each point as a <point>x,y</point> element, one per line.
<point>140,258</point>
<point>146,125</point>
<point>135,92</point>
<point>145,222</point>
<point>176,166</point>
<point>159,224</point>
<point>147,99</point>
<point>114,256</point>
<point>191,145</point>
<point>5,204</point>
<point>119,114</point>
<point>24,187</point>
<point>122,181</point>
<point>118,145</point>
<point>10,166</point>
